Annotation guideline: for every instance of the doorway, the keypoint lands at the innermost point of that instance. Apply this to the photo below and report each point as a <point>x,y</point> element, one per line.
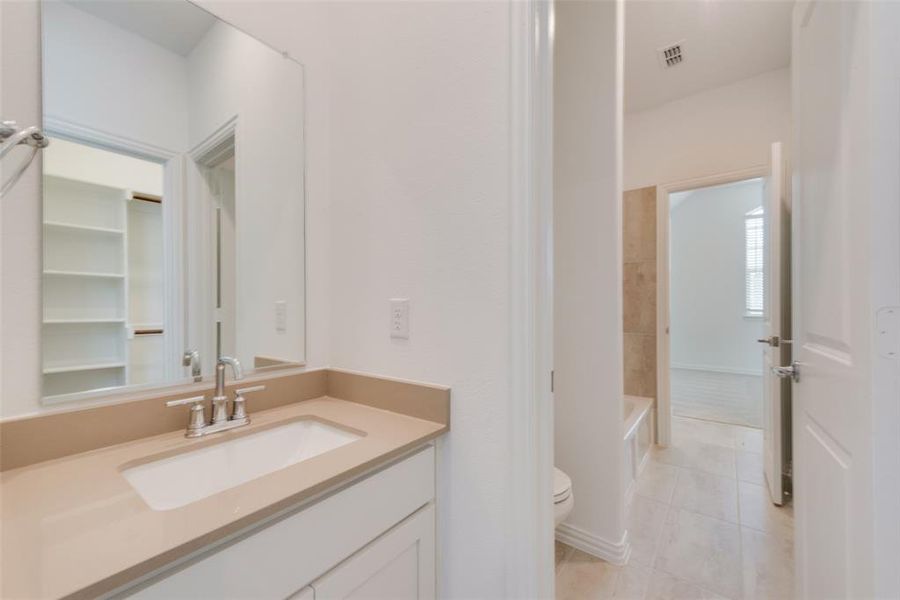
<point>723,315</point>
<point>716,302</point>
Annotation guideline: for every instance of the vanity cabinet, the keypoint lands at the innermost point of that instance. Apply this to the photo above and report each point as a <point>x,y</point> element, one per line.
<point>398,565</point>
<point>371,539</point>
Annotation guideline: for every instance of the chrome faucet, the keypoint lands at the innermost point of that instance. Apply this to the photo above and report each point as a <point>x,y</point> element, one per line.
<point>191,359</point>
<point>198,425</point>
<point>220,400</point>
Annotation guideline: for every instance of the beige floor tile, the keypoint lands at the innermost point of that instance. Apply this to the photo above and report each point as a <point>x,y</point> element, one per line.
<point>657,481</point>
<point>562,551</point>
<point>758,512</point>
<point>663,586</point>
<point>584,577</point>
<point>645,522</point>
<point>707,494</point>
<point>750,467</point>
<point>632,582</point>
<point>701,550</point>
<point>711,458</point>
<point>768,568</point>
<point>748,438</point>
<point>707,432</point>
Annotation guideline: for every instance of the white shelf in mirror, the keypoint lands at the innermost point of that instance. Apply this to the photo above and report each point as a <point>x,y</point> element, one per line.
<point>51,370</point>
<point>86,321</point>
<point>56,273</point>
<point>95,289</point>
<point>83,228</point>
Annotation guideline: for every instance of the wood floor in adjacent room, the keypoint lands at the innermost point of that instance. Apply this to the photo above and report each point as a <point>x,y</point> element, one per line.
<point>700,524</point>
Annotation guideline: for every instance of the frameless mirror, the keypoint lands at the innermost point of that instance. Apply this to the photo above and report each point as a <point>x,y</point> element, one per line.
<point>173,197</point>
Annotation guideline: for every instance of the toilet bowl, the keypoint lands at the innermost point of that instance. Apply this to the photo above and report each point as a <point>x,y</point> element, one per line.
<point>563,499</point>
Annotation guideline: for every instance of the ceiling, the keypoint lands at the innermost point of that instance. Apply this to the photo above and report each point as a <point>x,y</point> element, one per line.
<point>723,41</point>
<point>176,25</point>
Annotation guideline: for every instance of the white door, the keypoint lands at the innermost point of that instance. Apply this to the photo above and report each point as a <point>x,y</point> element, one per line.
<point>774,389</point>
<point>845,222</point>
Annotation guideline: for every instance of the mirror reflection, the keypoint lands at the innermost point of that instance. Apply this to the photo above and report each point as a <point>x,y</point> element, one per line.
<point>172,195</point>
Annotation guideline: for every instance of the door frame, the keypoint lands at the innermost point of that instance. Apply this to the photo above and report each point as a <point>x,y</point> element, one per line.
<point>663,345</point>
<point>529,551</point>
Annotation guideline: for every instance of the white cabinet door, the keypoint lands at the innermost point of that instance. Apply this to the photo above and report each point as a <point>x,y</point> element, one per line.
<point>397,566</point>
<point>306,593</point>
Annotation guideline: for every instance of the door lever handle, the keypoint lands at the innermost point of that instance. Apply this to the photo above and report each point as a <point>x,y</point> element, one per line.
<point>790,372</point>
<point>773,341</point>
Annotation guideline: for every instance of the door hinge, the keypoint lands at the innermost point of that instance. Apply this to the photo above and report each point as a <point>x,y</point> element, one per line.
<point>552,380</point>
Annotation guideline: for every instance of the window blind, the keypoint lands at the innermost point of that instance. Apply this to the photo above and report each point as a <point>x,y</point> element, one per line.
<point>754,283</point>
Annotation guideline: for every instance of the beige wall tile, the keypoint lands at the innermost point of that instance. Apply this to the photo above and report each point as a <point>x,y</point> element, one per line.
<point>639,290</point>
<point>639,297</point>
<point>640,364</point>
<point>639,224</point>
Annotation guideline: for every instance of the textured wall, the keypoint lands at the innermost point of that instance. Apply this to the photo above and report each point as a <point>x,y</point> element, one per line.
<point>716,131</point>
<point>639,290</point>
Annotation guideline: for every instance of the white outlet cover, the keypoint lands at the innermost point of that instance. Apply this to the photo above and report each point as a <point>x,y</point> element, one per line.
<point>400,318</point>
<point>280,316</point>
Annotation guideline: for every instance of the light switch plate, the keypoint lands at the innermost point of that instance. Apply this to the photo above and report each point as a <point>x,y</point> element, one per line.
<point>400,318</point>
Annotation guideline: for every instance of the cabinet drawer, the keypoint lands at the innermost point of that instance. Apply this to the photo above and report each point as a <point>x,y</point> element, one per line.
<point>281,557</point>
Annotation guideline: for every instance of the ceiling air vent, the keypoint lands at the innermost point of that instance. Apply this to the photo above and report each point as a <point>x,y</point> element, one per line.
<point>671,56</point>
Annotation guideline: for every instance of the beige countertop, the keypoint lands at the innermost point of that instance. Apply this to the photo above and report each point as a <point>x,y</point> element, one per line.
<point>74,526</point>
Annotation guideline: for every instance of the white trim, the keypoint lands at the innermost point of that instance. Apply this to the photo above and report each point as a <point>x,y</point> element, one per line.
<point>73,132</point>
<point>616,553</point>
<point>529,554</point>
<point>663,346</point>
<point>716,369</point>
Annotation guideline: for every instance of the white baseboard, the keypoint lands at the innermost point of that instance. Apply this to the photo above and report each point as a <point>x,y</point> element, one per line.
<point>616,553</point>
<point>714,369</point>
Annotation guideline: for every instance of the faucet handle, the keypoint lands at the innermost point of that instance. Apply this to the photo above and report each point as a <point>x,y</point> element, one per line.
<point>198,414</point>
<point>247,390</point>
<point>240,409</point>
<point>181,402</point>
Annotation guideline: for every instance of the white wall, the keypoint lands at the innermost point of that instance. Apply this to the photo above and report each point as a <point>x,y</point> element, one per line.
<point>126,75</point>
<point>716,131</point>
<point>20,273</point>
<point>706,254</point>
<point>588,268</point>
<point>420,195</point>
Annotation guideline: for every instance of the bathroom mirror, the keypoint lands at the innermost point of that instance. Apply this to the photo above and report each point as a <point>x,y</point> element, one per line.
<point>173,197</point>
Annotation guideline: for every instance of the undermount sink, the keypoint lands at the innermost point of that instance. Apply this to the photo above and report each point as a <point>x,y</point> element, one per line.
<point>184,478</point>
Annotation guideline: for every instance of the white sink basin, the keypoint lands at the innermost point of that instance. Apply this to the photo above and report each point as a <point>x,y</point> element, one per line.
<point>184,478</point>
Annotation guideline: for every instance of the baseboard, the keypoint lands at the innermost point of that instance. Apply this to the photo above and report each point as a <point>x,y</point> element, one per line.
<point>713,369</point>
<point>616,553</point>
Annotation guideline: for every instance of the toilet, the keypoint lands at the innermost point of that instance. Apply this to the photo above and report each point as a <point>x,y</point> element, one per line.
<point>563,500</point>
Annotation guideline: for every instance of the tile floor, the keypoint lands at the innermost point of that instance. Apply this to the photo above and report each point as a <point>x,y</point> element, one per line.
<point>700,524</point>
<point>715,396</point>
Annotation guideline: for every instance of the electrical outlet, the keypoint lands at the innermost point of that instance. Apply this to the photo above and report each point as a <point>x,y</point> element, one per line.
<point>400,318</point>
<point>280,316</point>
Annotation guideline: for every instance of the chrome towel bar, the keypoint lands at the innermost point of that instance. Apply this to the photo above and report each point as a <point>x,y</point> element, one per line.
<point>10,137</point>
